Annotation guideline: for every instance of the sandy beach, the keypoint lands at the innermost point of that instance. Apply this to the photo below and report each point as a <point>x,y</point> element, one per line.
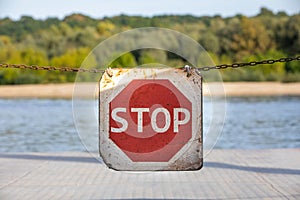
<point>65,91</point>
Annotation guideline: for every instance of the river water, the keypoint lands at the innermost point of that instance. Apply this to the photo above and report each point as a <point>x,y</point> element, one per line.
<point>45,125</point>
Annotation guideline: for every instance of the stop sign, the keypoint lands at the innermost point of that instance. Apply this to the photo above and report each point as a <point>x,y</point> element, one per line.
<point>153,120</point>
<point>150,119</point>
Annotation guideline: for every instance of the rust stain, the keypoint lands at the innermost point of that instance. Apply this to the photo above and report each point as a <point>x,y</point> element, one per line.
<point>189,159</point>
<point>145,75</point>
<point>154,75</point>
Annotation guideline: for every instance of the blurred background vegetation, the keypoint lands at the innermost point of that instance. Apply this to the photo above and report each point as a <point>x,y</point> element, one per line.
<point>68,41</point>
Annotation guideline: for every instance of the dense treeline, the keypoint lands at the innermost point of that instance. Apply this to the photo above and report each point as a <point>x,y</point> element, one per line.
<point>235,39</point>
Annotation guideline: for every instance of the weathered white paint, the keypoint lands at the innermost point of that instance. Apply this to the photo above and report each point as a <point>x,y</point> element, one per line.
<point>189,157</point>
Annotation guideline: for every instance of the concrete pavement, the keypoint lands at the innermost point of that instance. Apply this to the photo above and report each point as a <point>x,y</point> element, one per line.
<point>227,174</point>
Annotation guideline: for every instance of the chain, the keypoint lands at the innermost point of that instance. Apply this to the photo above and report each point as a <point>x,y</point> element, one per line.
<point>249,64</point>
<point>94,70</point>
<point>51,68</point>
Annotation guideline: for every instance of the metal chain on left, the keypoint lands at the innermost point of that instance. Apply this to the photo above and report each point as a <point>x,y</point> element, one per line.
<point>51,68</point>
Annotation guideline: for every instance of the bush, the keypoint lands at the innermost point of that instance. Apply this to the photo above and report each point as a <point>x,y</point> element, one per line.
<point>288,78</point>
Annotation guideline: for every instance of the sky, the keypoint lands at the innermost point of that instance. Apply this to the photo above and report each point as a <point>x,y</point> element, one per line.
<point>41,9</point>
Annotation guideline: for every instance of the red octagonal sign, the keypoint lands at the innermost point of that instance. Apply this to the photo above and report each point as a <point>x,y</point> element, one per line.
<point>150,120</point>
<point>146,124</point>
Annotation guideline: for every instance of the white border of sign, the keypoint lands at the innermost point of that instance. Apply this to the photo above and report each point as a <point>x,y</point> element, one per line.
<point>189,157</point>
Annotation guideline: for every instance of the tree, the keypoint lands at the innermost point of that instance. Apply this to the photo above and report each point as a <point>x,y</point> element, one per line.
<point>105,28</point>
<point>244,36</point>
<point>152,56</point>
<point>67,42</point>
<point>210,42</point>
<point>292,35</point>
<point>72,58</point>
<point>124,61</point>
<point>265,12</point>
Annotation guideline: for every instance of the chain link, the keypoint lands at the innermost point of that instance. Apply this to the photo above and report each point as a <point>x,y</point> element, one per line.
<point>95,70</point>
<point>51,68</point>
<point>249,64</point>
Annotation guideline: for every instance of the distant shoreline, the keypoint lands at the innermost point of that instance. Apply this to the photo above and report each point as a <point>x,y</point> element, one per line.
<point>65,91</point>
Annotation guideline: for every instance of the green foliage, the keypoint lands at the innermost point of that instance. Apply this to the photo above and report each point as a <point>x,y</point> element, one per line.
<point>105,28</point>
<point>210,42</point>
<point>71,58</point>
<point>292,67</point>
<point>235,39</point>
<point>152,56</point>
<point>288,78</point>
<point>126,60</point>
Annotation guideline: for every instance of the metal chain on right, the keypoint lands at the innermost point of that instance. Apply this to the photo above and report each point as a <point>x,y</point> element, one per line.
<point>252,63</point>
